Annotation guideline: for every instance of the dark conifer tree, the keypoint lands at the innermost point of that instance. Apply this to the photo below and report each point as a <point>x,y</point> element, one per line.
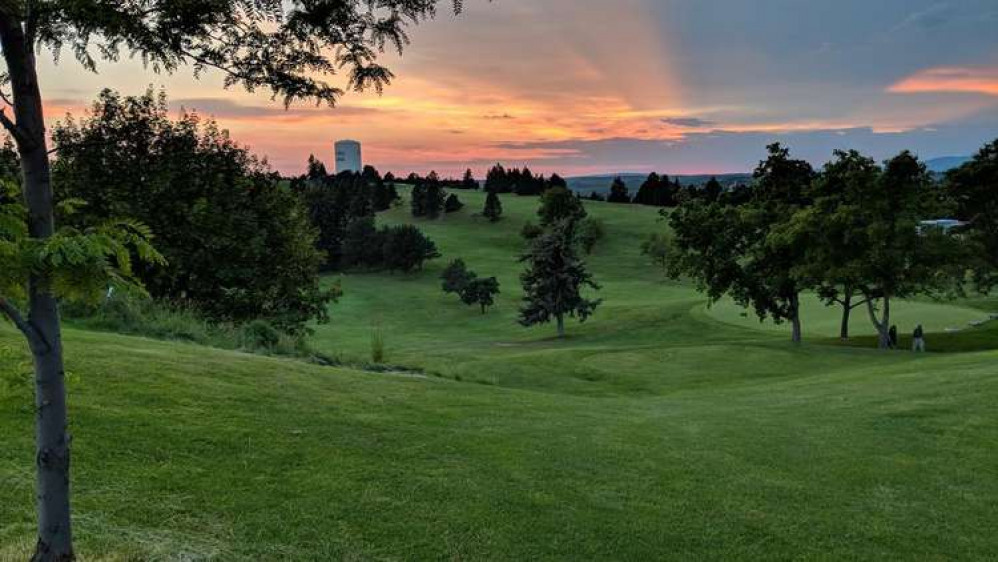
<point>618,192</point>
<point>496,181</point>
<point>453,204</point>
<point>435,197</point>
<point>557,204</point>
<point>649,190</point>
<point>554,280</point>
<point>469,181</point>
<point>557,181</point>
<point>493,207</point>
<point>316,169</point>
<point>418,201</point>
<point>713,190</point>
<point>362,244</point>
<point>406,248</point>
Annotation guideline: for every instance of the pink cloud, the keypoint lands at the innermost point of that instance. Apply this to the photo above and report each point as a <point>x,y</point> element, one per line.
<point>976,80</point>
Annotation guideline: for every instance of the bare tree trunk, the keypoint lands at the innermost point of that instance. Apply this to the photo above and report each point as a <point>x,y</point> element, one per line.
<point>55,541</point>
<point>846,314</point>
<point>561,326</point>
<point>883,324</point>
<point>797,335</point>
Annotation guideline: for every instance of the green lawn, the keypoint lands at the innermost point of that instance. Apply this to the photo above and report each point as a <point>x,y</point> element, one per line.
<point>659,430</point>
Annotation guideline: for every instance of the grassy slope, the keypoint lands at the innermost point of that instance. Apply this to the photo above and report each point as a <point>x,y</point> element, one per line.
<point>655,431</point>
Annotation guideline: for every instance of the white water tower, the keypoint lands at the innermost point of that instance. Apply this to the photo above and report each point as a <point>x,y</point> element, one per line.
<point>348,157</point>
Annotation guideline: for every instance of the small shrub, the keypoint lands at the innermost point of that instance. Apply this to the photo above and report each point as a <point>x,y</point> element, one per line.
<point>453,204</point>
<point>658,247</point>
<point>456,277</point>
<point>377,346</point>
<point>259,334</point>
<point>590,232</point>
<point>531,231</point>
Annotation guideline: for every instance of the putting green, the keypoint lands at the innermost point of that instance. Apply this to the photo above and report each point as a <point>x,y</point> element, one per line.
<point>824,321</point>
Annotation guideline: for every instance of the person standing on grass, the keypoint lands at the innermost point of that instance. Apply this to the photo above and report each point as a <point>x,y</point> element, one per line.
<point>892,335</point>
<point>918,340</point>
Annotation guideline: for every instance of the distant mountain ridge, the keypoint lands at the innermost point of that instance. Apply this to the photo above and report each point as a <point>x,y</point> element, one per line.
<point>946,163</point>
<point>601,183</point>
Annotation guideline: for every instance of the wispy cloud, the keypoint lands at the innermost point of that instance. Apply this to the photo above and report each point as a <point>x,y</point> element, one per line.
<point>950,79</point>
<point>688,122</point>
<point>935,16</point>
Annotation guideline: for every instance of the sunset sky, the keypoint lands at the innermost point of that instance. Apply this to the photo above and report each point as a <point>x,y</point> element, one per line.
<point>600,86</point>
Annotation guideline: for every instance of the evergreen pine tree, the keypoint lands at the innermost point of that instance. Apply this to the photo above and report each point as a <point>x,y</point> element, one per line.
<point>418,202</point>
<point>469,181</point>
<point>453,204</point>
<point>493,207</point>
<point>618,192</point>
<point>554,280</point>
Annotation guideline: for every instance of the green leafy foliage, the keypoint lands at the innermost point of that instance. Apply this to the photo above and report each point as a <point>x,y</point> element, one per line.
<point>341,207</point>
<point>974,189</point>
<point>239,245</point>
<point>559,204</point>
<point>80,263</point>
<point>742,251</point>
<point>406,248</point>
<point>590,232</point>
<point>531,231</point>
<point>481,292</point>
<point>428,197</point>
<point>658,247</point>
<point>303,41</point>
<point>472,289</point>
<point>456,276</point>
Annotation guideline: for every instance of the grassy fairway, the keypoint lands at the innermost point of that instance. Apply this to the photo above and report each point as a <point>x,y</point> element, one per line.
<point>659,430</point>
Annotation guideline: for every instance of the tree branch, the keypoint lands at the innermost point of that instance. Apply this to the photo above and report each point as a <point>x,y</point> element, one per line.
<point>35,340</point>
<point>13,129</point>
<point>12,313</point>
<point>859,304</point>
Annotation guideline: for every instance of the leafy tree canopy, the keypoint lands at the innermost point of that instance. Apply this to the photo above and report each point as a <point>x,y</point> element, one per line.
<point>219,215</point>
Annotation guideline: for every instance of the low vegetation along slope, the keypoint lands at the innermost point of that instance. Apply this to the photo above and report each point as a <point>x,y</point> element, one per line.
<point>658,430</point>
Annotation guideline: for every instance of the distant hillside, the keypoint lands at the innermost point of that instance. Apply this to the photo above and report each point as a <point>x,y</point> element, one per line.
<point>946,163</point>
<point>601,184</point>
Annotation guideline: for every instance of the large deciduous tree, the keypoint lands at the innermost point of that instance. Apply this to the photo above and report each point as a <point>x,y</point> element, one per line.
<point>831,231</point>
<point>220,215</point>
<point>743,251</point>
<point>283,46</point>
<point>902,258</point>
<point>974,188</point>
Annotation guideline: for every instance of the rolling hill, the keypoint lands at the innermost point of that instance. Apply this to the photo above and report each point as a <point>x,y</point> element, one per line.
<point>660,429</point>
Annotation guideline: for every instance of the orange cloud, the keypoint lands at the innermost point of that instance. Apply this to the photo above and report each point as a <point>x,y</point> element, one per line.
<point>950,79</point>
